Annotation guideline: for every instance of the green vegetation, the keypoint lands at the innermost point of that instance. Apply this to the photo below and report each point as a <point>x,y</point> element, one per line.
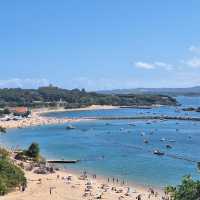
<point>53,96</point>
<point>2,129</point>
<point>11,176</point>
<point>188,190</point>
<point>33,153</point>
<point>4,112</point>
<point>4,153</point>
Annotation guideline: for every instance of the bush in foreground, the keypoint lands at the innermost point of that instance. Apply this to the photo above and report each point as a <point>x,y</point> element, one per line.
<point>3,153</point>
<point>187,190</point>
<point>11,176</point>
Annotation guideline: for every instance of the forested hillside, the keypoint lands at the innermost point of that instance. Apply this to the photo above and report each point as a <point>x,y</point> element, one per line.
<point>52,96</point>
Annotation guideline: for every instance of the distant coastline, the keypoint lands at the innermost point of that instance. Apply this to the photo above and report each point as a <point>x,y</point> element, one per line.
<point>37,118</point>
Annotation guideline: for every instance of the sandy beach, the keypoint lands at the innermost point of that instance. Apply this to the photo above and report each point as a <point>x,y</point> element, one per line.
<point>37,119</point>
<point>68,186</point>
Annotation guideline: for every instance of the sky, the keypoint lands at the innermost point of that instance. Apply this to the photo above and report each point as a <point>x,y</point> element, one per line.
<point>99,44</point>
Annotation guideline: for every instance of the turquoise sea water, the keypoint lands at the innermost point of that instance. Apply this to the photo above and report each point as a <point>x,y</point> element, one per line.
<point>114,148</point>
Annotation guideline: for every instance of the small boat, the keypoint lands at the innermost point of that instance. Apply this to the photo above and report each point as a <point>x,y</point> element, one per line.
<point>162,139</point>
<point>158,152</point>
<point>146,141</point>
<point>69,127</point>
<point>168,146</point>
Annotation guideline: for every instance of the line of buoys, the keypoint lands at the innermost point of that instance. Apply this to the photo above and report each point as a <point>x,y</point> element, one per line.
<point>183,118</point>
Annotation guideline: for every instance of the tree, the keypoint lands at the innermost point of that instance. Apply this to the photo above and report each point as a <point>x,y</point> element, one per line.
<point>187,190</point>
<point>33,150</point>
<point>6,111</point>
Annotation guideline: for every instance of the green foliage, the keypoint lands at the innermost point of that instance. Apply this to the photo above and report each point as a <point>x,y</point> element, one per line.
<point>188,190</point>
<point>33,151</point>
<point>4,112</point>
<point>11,176</point>
<point>2,129</point>
<point>3,186</point>
<point>51,96</point>
<point>3,153</point>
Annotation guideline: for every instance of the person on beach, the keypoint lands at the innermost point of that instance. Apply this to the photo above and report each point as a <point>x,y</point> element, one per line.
<point>94,176</point>
<point>139,197</point>
<point>23,188</point>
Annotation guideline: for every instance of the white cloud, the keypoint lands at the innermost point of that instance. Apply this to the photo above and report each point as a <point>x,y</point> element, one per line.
<point>164,65</point>
<point>23,83</point>
<point>194,62</point>
<point>144,65</point>
<point>194,49</point>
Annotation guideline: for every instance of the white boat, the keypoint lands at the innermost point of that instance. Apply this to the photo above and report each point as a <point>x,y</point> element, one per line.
<point>158,152</point>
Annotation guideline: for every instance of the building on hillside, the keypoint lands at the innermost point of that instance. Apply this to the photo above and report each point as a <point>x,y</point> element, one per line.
<point>19,110</point>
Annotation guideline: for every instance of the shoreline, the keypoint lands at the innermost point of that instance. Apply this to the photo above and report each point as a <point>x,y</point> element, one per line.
<point>93,107</point>
<point>37,119</point>
<point>103,178</point>
<point>39,186</point>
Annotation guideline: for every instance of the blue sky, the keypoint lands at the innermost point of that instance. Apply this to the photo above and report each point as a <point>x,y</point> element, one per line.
<point>100,44</point>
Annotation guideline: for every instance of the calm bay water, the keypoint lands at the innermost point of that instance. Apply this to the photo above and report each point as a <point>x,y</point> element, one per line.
<point>114,148</point>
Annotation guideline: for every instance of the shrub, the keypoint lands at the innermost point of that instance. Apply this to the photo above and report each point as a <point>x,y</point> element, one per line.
<point>11,176</point>
<point>3,186</point>
<point>187,190</point>
<point>4,153</point>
